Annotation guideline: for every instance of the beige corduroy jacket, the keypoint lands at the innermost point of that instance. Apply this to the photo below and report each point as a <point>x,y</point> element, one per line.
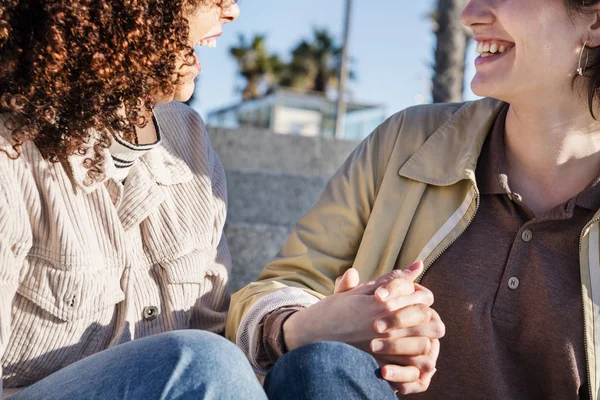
<point>83,268</point>
<point>405,194</point>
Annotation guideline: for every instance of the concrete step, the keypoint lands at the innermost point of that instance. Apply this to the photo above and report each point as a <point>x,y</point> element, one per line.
<point>252,246</point>
<point>271,199</point>
<point>259,150</point>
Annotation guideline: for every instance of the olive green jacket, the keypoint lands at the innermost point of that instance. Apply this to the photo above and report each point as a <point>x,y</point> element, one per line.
<point>405,194</point>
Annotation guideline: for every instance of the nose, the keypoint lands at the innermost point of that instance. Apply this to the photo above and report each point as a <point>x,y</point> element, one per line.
<point>477,12</point>
<point>230,13</point>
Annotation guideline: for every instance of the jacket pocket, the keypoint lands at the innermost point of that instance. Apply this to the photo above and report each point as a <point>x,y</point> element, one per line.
<point>190,268</point>
<point>59,316</point>
<point>70,294</point>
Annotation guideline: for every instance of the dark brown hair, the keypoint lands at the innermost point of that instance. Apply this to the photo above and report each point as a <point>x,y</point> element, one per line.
<point>67,66</point>
<point>592,70</point>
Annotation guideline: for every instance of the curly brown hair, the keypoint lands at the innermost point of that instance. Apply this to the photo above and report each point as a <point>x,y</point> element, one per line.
<point>67,66</point>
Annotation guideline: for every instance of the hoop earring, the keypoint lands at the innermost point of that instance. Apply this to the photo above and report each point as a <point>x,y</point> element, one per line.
<point>581,70</point>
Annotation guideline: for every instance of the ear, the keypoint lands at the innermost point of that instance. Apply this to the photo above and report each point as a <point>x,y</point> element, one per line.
<point>593,38</point>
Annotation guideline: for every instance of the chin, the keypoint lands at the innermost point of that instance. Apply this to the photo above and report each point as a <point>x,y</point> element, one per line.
<point>500,88</point>
<point>185,92</point>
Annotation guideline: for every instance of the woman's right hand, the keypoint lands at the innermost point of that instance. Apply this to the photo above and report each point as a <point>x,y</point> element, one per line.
<point>390,318</point>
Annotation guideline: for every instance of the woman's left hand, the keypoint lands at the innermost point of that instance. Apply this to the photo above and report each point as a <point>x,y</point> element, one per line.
<point>409,345</point>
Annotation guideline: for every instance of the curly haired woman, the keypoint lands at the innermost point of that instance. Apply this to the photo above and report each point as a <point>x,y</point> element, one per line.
<point>112,205</point>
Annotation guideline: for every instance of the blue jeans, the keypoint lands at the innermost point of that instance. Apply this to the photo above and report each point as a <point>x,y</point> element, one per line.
<point>327,371</point>
<point>188,364</point>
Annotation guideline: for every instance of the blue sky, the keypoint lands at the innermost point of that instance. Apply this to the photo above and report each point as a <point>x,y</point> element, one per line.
<point>390,40</point>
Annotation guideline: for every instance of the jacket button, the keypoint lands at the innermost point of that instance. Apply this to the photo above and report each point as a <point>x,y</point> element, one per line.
<point>71,300</point>
<point>150,313</point>
<point>513,283</point>
<point>527,236</point>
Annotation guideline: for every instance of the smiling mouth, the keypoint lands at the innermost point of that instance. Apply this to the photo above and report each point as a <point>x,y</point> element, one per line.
<point>490,48</point>
<point>210,42</point>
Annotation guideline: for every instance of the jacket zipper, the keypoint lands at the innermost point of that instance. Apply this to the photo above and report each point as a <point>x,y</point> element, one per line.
<point>426,268</point>
<point>585,347</point>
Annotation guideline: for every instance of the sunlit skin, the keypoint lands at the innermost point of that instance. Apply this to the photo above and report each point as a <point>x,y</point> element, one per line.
<point>206,24</point>
<point>552,141</point>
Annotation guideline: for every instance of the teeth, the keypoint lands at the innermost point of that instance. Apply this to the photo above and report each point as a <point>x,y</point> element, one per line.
<point>210,43</point>
<point>490,48</point>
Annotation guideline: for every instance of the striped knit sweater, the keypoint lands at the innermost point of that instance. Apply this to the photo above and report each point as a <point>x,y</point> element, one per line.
<point>83,268</point>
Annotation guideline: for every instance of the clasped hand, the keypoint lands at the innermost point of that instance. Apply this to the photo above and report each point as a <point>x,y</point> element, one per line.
<point>390,317</point>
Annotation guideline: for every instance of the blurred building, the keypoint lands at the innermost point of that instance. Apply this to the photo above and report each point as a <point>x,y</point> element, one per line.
<point>287,111</point>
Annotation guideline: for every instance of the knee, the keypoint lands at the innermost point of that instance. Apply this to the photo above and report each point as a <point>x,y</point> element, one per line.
<point>324,359</point>
<point>208,366</point>
<point>323,370</point>
<point>204,348</point>
<point>328,357</point>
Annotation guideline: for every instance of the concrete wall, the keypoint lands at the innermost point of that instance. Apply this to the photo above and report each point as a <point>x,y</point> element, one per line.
<point>272,181</point>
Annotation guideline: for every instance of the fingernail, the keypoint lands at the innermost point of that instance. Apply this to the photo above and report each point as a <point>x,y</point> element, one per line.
<point>376,346</point>
<point>413,267</point>
<point>382,293</point>
<point>389,374</point>
<point>382,326</point>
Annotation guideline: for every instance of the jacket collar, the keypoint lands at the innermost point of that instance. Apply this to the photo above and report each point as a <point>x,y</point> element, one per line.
<point>162,163</point>
<point>451,152</point>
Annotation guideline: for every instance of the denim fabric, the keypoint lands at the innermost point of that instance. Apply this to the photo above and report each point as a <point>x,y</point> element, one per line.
<point>327,371</point>
<point>188,364</point>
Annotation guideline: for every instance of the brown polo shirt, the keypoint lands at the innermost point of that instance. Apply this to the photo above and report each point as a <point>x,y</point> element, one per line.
<point>509,292</point>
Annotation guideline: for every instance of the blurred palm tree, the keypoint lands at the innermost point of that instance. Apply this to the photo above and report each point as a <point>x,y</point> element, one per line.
<point>260,69</point>
<point>315,64</point>
<point>450,53</point>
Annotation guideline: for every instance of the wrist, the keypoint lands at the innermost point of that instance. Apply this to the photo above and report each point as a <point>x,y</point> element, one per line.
<point>294,331</point>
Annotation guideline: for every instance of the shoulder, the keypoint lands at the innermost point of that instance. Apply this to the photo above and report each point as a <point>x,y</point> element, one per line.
<point>14,164</point>
<point>182,127</point>
<point>184,136</point>
<point>178,121</point>
<point>412,127</point>
<point>420,122</point>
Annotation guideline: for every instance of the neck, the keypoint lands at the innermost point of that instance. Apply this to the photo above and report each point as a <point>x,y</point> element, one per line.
<point>552,151</point>
<point>147,134</point>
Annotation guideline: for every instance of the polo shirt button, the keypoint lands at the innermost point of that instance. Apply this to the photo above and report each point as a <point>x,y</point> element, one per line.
<point>150,313</point>
<point>527,236</point>
<point>513,283</point>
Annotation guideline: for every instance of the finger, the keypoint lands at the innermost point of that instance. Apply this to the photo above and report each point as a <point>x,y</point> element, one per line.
<point>399,374</point>
<point>408,317</point>
<point>410,273</point>
<point>434,329</point>
<point>348,281</point>
<point>409,346</point>
<point>395,288</point>
<point>418,386</point>
<point>422,295</point>
<point>424,364</point>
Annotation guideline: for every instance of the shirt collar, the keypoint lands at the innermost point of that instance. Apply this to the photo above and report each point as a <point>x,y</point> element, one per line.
<point>492,168</point>
<point>492,172</point>
<point>162,163</point>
